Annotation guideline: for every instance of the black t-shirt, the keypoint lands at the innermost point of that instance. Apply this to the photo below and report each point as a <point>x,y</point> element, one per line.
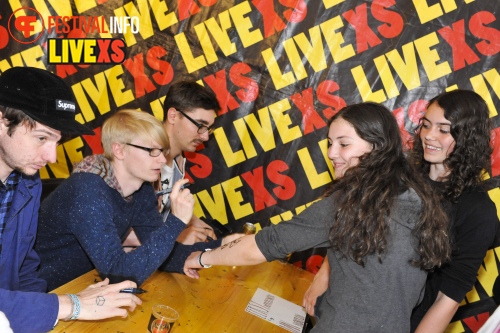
<point>474,224</point>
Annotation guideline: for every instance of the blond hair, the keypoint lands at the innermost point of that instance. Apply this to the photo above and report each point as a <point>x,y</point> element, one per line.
<point>127,125</point>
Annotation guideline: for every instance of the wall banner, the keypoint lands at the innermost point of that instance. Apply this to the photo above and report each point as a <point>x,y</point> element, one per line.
<point>280,69</point>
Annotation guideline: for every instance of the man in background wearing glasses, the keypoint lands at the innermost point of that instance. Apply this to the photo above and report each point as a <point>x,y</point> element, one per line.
<point>189,114</point>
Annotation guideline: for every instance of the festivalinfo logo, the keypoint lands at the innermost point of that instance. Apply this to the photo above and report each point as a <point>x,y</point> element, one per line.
<point>26,25</point>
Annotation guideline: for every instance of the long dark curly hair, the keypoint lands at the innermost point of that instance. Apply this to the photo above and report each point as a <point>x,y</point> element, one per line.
<point>366,192</point>
<point>471,128</point>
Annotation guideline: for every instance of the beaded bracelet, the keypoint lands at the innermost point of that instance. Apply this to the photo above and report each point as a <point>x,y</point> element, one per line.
<point>76,306</point>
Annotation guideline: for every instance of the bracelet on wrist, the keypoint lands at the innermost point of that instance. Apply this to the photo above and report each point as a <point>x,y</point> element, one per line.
<point>75,312</point>
<point>199,259</point>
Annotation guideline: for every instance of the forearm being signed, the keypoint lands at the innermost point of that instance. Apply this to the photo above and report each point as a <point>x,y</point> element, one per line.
<point>230,244</point>
<point>239,252</point>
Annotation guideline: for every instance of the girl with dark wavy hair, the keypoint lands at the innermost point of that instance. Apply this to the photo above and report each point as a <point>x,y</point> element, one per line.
<point>452,147</point>
<point>380,226</point>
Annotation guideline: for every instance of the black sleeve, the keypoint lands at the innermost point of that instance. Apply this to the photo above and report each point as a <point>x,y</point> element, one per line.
<point>475,223</point>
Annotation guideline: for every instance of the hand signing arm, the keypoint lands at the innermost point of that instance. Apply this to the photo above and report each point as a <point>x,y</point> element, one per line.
<point>181,201</point>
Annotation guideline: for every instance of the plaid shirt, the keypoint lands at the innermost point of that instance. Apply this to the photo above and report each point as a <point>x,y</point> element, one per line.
<point>6,196</point>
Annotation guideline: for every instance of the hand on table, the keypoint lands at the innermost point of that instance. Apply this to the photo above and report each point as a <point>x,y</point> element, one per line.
<point>192,266</point>
<point>101,300</point>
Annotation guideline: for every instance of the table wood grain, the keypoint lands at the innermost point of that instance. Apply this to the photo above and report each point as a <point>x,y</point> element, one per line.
<point>213,304</point>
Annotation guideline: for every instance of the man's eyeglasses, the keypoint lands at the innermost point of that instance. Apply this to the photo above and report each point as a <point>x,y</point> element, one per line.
<point>201,128</point>
<point>153,152</point>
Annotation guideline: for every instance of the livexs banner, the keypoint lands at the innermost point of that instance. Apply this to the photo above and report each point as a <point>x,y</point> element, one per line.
<point>280,70</point>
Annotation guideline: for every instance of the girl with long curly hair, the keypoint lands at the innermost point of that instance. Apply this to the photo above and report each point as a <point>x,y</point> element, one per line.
<point>452,147</point>
<point>381,228</point>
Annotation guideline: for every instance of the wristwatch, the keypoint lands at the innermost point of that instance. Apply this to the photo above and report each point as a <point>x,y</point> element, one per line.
<point>199,259</point>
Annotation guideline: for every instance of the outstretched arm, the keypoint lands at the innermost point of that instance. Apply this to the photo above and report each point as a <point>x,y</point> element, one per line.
<point>240,252</point>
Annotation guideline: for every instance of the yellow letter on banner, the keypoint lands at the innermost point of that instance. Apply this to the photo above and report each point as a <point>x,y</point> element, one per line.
<point>262,131</point>
<point>84,5</point>
<point>235,199</point>
<point>62,8</point>
<point>33,57</point>
<point>280,80</point>
<point>481,88</point>
<point>231,158</point>
<point>145,24</point>
<point>246,140</point>
<point>283,121</point>
<point>216,207</point>
<point>364,86</point>
<point>430,57</point>
<point>385,74</point>
<point>116,85</point>
<point>406,68</point>
<point>219,33</point>
<point>295,59</point>
<point>243,24</point>
<point>206,43</point>
<point>495,197</point>
<point>192,63</point>
<point>331,3</point>
<point>197,211</point>
<point>334,40</point>
<point>313,51</point>
<point>98,94</point>
<point>427,13</point>
<point>163,19</point>
<point>315,179</point>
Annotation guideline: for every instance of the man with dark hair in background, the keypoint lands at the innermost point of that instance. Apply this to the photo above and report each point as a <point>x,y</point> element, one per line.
<point>189,115</point>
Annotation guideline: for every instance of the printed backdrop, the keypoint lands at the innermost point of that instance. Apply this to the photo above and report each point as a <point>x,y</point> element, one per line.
<point>280,69</point>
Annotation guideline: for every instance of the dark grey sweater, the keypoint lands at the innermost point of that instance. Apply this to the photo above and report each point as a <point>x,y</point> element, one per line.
<point>376,298</point>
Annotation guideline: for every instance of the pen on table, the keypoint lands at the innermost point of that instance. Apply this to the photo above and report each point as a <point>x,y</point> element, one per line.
<point>168,190</point>
<point>133,291</point>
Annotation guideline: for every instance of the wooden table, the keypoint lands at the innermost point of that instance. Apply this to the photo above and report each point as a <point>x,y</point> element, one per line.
<point>215,303</point>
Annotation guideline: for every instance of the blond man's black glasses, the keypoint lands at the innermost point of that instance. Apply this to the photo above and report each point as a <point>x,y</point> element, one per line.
<point>201,128</point>
<point>153,152</point>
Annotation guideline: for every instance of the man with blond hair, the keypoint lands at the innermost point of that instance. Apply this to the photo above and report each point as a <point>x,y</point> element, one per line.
<point>85,220</point>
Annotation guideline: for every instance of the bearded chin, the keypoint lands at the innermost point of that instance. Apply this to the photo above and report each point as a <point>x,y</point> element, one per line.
<point>24,171</point>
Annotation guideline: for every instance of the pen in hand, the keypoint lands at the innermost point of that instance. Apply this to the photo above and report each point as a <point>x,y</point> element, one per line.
<point>208,237</point>
<point>168,190</point>
<point>133,291</point>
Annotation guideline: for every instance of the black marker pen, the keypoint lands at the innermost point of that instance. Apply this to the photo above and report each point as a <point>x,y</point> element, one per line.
<point>133,291</point>
<point>168,190</point>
